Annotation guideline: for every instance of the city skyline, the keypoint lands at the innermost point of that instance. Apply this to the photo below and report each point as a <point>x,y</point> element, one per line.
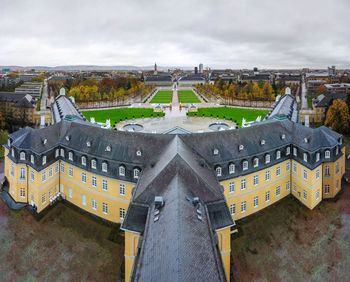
<point>243,34</point>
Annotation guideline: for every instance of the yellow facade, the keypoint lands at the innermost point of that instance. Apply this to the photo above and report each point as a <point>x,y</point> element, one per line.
<point>130,252</point>
<point>224,236</point>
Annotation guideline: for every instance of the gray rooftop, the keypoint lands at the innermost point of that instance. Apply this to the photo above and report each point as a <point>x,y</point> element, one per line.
<point>64,106</point>
<point>286,106</point>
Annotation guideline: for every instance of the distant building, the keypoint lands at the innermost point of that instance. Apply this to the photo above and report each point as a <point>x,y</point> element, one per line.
<point>338,87</point>
<point>200,68</point>
<point>26,77</point>
<point>331,71</point>
<point>288,78</point>
<point>312,85</point>
<point>256,77</point>
<point>159,79</point>
<point>191,79</point>
<point>195,70</point>
<point>155,69</point>
<point>32,88</point>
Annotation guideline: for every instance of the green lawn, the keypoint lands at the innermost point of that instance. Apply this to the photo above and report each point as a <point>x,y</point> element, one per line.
<point>162,97</point>
<point>187,96</point>
<point>117,115</point>
<point>234,114</point>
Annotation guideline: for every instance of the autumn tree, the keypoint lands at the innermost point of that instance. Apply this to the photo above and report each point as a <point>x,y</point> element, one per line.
<point>321,89</point>
<point>338,116</point>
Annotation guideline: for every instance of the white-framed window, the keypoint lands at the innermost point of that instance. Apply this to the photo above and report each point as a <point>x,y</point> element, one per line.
<point>256,201</point>
<point>317,195</point>
<point>305,174</point>
<point>278,154</point>
<point>326,189</point>
<point>22,193</point>
<point>104,166</point>
<point>267,159</point>
<point>294,167</point>
<point>43,199</point>
<point>93,181</point>
<point>122,170</point>
<point>231,168</point>
<point>83,177</point>
<point>245,165</point>
<point>94,204</point>
<point>32,159</point>
<point>295,151</point>
<point>337,168</point>
<point>216,151</point>
<point>304,195</point>
<point>62,188</point>
<point>32,175</point>
<point>256,180</point>
<point>22,156</point>
<point>256,162</point>
<point>57,153</point>
<point>105,208</point>
<point>337,150</point>
<point>327,171</point>
<point>44,160</point>
<point>294,187</point>
<point>231,187</point>
<point>262,142</point>
<point>267,196</point>
<point>233,209</point>
<point>93,164</point>
<point>43,176</point>
<point>104,185</point>
<point>57,168</point>
<point>218,171</point>
<point>243,184</point>
<point>288,166</point>
<point>278,171</point>
<point>12,170</point>
<point>243,207</point>
<point>241,147</point>
<point>122,189</point>
<point>317,157</point>
<point>278,191</point>
<point>62,168</point>
<point>327,154</point>
<point>70,156</point>
<point>12,152</point>
<point>83,160</point>
<point>62,153</point>
<point>267,175</point>
<point>108,148</point>
<point>317,174</point>
<point>288,186</point>
<point>288,151</point>
<point>136,173</point>
<point>50,172</point>
<point>122,213</point>
<point>83,200</point>
<point>138,153</point>
<point>70,193</point>
<point>70,171</point>
<point>305,157</point>
<point>22,173</point>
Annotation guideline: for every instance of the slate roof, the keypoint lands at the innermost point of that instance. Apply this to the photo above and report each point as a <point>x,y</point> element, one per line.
<point>62,107</point>
<point>325,100</point>
<point>287,106</point>
<point>20,99</point>
<point>159,77</point>
<point>193,77</point>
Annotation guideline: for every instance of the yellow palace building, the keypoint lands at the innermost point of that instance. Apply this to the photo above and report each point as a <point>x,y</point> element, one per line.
<point>176,196</point>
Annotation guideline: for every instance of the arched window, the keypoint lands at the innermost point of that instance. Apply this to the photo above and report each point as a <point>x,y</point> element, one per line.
<point>122,170</point>
<point>32,159</point>
<point>278,154</point>
<point>62,152</point>
<point>83,160</point>
<point>256,162</point>
<point>136,173</point>
<point>138,153</point>
<point>108,148</point>
<point>22,156</point>
<point>70,156</point>
<point>245,165</point>
<point>267,159</point>
<point>231,168</point>
<point>218,171</point>
<point>327,154</point>
<point>305,157</point>
<point>93,164</point>
<point>44,160</point>
<point>216,151</point>
<point>104,166</point>
<point>57,153</point>
<point>317,157</point>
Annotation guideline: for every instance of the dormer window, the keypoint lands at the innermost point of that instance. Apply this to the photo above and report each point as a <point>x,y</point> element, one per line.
<point>138,153</point>
<point>231,168</point>
<point>45,141</point>
<point>8,142</point>
<point>283,136</point>
<point>67,138</point>
<point>12,152</point>
<point>278,154</point>
<point>337,151</point>
<point>136,173</point>
<point>288,151</point>
<point>108,148</point>
<point>340,141</point>
<point>216,151</point>
<point>245,165</point>
<point>104,167</point>
<point>93,164</point>
<point>305,157</point>
<point>306,140</point>
<point>262,142</point>
<point>256,162</point>
<point>121,170</point>
<point>317,157</point>
<point>267,159</point>
<point>57,153</point>
<point>83,160</point>
<point>44,160</point>
<point>241,147</point>
<point>327,154</point>
<point>70,156</point>
<point>295,151</point>
<point>22,156</point>
<point>218,171</point>
<point>32,159</point>
<point>62,153</point>
<point>88,143</point>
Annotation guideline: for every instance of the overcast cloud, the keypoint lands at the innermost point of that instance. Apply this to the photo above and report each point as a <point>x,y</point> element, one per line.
<point>221,33</point>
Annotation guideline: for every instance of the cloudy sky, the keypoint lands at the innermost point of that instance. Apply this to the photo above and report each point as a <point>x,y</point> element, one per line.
<point>218,33</point>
